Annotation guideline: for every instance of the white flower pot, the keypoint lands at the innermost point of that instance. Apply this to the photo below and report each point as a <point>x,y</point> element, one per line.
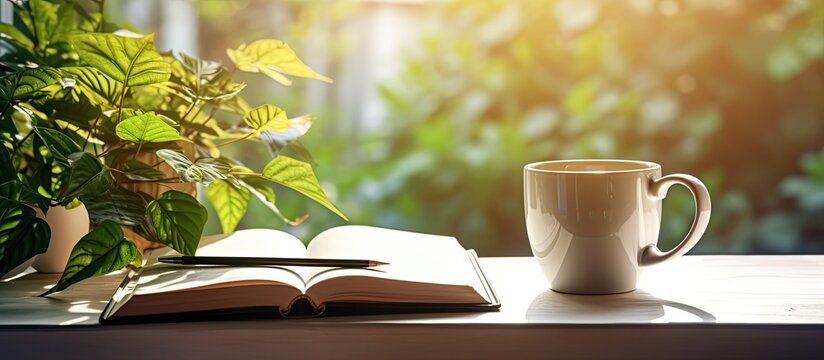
<point>67,227</point>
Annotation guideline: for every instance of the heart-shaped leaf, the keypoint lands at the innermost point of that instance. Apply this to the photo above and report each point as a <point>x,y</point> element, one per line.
<point>297,127</point>
<point>60,145</point>
<point>22,235</point>
<point>140,171</point>
<point>202,79</point>
<point>130,61</point>
<point>267,117</point>
<point>272,57</point>
<point>213,169</point>
<point>98,88</point>
<point>117,204</point>
<point>26,84</point>
<point>148,127</point>
<point>299,176</point>
<point>100,252</point>
<point>178,220</point>
<point>203,170</point>
<point>88,175</point>
<point>181,164</point>
<point>230,202</point>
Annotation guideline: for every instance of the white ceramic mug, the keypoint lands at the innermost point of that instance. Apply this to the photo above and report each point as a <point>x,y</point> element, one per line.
<point>593,224</point>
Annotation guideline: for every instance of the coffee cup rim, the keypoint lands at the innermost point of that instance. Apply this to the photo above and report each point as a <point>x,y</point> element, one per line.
<point>642,166</point>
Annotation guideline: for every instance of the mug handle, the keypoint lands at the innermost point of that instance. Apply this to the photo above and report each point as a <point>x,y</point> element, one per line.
<point>651,255</point>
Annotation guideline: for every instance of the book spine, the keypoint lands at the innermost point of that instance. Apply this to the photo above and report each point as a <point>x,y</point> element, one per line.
<point>302,307</point>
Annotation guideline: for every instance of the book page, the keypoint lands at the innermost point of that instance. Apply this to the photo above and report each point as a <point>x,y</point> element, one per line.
<point>161,277</point>
<point>412,257</point>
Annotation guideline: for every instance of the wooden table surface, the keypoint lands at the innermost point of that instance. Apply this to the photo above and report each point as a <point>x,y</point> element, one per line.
<point>726,306</point>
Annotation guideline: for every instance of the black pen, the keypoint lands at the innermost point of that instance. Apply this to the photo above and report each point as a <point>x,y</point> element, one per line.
<point>264,261</point>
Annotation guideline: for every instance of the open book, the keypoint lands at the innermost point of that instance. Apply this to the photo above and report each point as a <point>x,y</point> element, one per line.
<point>424,272</point>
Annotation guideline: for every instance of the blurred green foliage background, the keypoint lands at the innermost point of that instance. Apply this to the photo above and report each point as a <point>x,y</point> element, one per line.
<point>730,91</point>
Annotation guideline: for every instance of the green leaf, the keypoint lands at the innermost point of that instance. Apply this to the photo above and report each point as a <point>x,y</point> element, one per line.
<point>91,21</point>
<point>178,220</point>
<point>256,183</point>
<point>263,188</point>
<point>60,145</point>
<point>299,176</point>
<point>50,22</point>
<point>7,169</point>
<point>100,252</point>
<point>260,188</point>
<point>181,164</point>
<point>129,112</point>
<point>22,235</point>
<point>98,88</point>
<point>19,192</point>
<point>296,149</point>
<point>11,34</point>
<point>272,57</point>
<point>130,61</point>
<point>235,105</point>
<point>230,202</point>
<point>203,170</point>
<point>73,204</point>
<point>202,79</point>
<point>213,169</point>
<point>70,107</point>
<point>88,175</point>
<point>140,171</point>
<point>118,204</point>
<point>267,117</point>
<point>27,84</point>
<point>147,127</point>
<point>298,127</point>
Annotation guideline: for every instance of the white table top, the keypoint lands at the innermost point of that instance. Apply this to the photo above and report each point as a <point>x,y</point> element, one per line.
<point>695,307</point>
<point>693,289</point>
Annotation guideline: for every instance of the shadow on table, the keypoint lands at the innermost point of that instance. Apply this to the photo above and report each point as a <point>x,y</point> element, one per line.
<point>628,308</point>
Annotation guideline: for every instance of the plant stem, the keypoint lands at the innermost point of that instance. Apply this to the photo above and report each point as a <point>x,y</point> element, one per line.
<point>235,140</point>
<point>5,108</point>
<point>186,114</point>
<point>86,141</point>
<point>214,110</point>
<point>115,147</point>
<point>120,105</point>
<point>100,24</point>
<point>199,110</point>
<point>139,145</point>
<point>188,110</point>
<point>36,35</point>
<point>18,144</point>
<point>245,173</point>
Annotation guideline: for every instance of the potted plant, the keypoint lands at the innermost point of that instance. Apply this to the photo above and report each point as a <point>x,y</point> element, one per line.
<point>105,120</point>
